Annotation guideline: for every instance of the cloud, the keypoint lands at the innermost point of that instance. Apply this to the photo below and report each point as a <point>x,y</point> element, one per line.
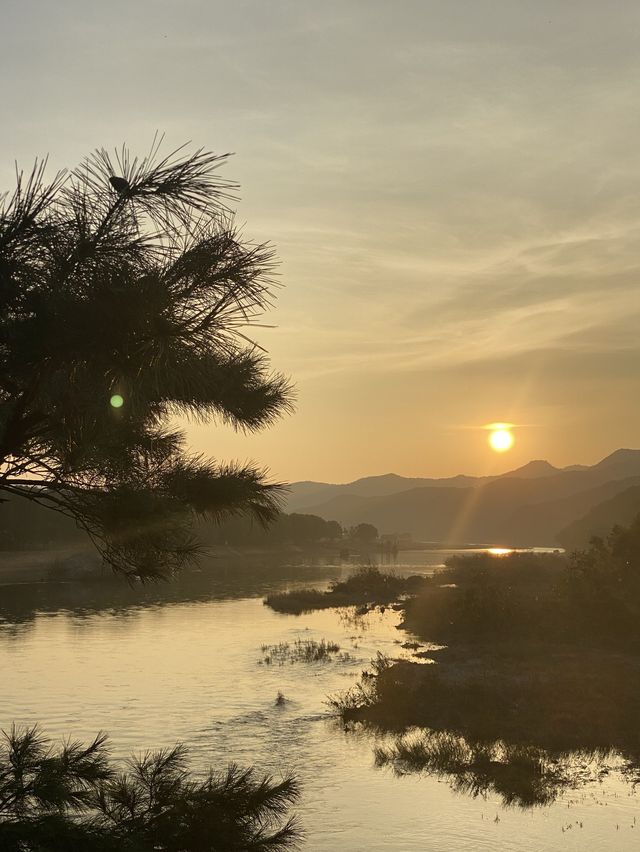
<point>453,188</point>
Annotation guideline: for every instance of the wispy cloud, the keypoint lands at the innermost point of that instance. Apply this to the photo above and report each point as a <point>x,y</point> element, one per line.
<point>453,188</point>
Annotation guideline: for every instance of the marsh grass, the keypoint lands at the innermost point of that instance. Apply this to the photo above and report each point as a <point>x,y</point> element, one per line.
<point>590,597</point>
<point>568,701</point>
<point>523,733</point>
<point>540,681</point>
<point>484,598</point>
<point>302,651</point>
<point>367,587</point>
<point>353,703</point>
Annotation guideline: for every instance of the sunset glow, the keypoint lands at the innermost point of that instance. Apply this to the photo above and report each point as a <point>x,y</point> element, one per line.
<point>319,401</point>
<point>501,440</point>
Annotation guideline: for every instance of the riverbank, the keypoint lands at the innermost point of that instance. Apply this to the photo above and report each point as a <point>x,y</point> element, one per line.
<point>537,667</point>
<point>556,698</point>
<point>497,677</point>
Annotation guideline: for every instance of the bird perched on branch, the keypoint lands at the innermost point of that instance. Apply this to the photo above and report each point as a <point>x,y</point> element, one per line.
<point>120,184</point>
<point>154,296</point>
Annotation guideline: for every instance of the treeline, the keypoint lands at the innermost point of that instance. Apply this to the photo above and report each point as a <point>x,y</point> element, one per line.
<point>286,529</point>
<point>28,526</point>
<point>25,525</point>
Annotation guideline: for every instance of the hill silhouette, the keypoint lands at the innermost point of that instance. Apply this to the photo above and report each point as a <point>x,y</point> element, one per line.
<point>619,509</point>
<point>309,493</point>
<point>524,507</point>
<point>534,505</point>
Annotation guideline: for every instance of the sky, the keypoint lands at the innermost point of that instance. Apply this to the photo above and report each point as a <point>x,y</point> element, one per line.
<point>453,189</point>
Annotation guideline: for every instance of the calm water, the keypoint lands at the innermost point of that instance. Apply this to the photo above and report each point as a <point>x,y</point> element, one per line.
<point>182,663</point>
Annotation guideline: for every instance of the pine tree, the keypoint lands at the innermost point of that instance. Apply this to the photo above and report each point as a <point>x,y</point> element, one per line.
<point>127,295</point>
<point>74,797</point>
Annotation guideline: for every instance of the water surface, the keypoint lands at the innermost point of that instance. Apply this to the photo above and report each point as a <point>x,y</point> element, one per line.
<point>182,663</point>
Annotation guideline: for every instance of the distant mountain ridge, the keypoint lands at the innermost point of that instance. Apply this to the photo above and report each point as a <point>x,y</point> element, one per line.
<point>306,493</point>
<point>523,507</point>
<point>620,509</point>
<point>534,505</point>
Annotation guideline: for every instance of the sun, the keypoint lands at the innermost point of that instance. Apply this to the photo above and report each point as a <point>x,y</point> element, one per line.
<point>500,437</point>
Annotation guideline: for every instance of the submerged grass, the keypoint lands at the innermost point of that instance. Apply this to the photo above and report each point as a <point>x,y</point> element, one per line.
<point>301,651</point>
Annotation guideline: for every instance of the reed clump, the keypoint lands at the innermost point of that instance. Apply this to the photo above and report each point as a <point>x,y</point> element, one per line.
<point>300,651</point>
<point>524,728</point>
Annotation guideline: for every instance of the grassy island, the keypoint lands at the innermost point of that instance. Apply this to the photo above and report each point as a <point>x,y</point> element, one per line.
<point>367,587</point>
<point>540,670</point>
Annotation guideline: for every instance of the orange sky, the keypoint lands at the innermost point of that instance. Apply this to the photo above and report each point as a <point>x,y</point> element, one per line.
<point>453,189</point>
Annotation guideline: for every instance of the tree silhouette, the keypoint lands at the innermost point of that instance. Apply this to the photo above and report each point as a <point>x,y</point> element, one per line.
<point>125,295</point>
<point>366,533</point>
<point>73,797</point>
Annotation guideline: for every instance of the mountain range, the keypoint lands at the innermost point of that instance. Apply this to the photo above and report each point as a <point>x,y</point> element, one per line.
<point>537,504</point>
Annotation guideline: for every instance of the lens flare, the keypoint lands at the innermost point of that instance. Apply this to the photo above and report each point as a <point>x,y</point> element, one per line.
<point>116,401</point>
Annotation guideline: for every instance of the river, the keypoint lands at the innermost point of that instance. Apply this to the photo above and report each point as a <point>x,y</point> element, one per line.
<point>183,662</point>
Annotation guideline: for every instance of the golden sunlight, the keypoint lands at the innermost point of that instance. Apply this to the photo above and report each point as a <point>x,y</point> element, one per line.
<point>500,437</point>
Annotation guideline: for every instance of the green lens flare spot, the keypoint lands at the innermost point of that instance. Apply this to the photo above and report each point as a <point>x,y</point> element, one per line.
<point>116,401</point>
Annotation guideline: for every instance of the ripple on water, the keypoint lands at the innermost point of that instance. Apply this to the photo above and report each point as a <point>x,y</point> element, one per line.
<point>154,674</point>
